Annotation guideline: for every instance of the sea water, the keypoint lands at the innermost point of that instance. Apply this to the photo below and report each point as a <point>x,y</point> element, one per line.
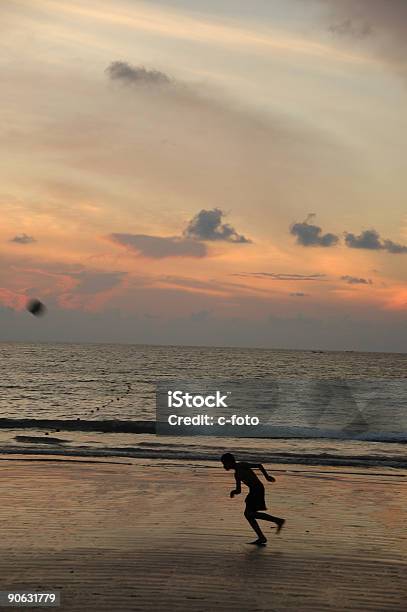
<point>96,387</point>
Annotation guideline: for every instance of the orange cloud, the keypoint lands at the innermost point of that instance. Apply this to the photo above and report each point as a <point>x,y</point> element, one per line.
<point>12,299</point>
<point>398,301</point>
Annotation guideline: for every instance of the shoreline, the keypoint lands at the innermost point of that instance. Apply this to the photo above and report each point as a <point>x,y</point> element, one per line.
<point>158,536</point>
<point>289,468</point>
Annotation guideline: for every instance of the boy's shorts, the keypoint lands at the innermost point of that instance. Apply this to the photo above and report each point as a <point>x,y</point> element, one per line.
<point>255,500</point>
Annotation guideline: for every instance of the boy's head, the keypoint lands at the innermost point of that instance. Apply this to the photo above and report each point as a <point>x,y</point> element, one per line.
<point>228,460</point>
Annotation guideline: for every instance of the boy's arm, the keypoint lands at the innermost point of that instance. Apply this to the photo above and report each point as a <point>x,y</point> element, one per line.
<point>238,489</point>
<point>263,471</point>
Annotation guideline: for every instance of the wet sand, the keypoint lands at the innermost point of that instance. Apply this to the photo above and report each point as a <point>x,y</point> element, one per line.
<point>149,535</point>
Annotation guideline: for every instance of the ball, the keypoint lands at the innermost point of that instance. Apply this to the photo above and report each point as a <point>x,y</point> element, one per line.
<point>36,308</point>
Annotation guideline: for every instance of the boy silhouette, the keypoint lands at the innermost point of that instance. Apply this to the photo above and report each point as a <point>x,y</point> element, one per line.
<point>255,501</point>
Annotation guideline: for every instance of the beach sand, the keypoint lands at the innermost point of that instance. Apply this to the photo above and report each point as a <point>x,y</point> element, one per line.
<point>150,535</point>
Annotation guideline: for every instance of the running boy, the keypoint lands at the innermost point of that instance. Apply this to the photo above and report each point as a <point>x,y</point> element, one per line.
<point>255,499</point>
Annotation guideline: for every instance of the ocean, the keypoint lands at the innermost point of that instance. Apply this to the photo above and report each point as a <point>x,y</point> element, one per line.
<point>99,400</point>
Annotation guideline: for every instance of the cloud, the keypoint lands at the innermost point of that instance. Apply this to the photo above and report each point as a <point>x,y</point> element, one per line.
<point>191,283</point>
<point>308,234</point>
<point>393,247</point>
<point>382,24</point>
<point>136,75</point>
<point>324,332</point>
<point>299,294</point>
<point>158,247</point>
<point>200,316</point>
<point>207,225</point>
<point>91,282</point>
<point>57,283</point>
<point>283,276</point>
<point>370,239</point>
<point>23,239</point>
<point>350,28</point>
<point>212,286</point>
<point>354,280</point>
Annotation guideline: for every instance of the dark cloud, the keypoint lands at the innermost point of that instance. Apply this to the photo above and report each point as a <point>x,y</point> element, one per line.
<point>382,24</point>
<point>393,247</point>
<point>23,239</point>
<point>284,276</point>
<point>354,280</point>
<point>347,27</point>
<point>158,247</point>
<point>207,225</point>
<point>299,294</point>
<point>370,239</point>
<point>308,234</point>
<point>136,75</point>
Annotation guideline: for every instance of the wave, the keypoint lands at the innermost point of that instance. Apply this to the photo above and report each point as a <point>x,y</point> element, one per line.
<point>149,427</point>
<point>213,454</point>
<point>104,426</point>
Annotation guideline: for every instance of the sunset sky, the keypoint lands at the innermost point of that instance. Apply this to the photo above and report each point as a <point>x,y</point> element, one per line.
<point>219,173</point>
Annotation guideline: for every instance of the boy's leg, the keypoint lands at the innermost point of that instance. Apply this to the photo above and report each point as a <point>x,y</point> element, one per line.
<point>268,517</point>
<point>250,516</point>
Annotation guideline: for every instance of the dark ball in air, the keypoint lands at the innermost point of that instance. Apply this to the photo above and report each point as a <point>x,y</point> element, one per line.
<point>36,307</point>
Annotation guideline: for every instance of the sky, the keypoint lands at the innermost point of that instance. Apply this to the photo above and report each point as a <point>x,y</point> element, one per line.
<point>205,173</point>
